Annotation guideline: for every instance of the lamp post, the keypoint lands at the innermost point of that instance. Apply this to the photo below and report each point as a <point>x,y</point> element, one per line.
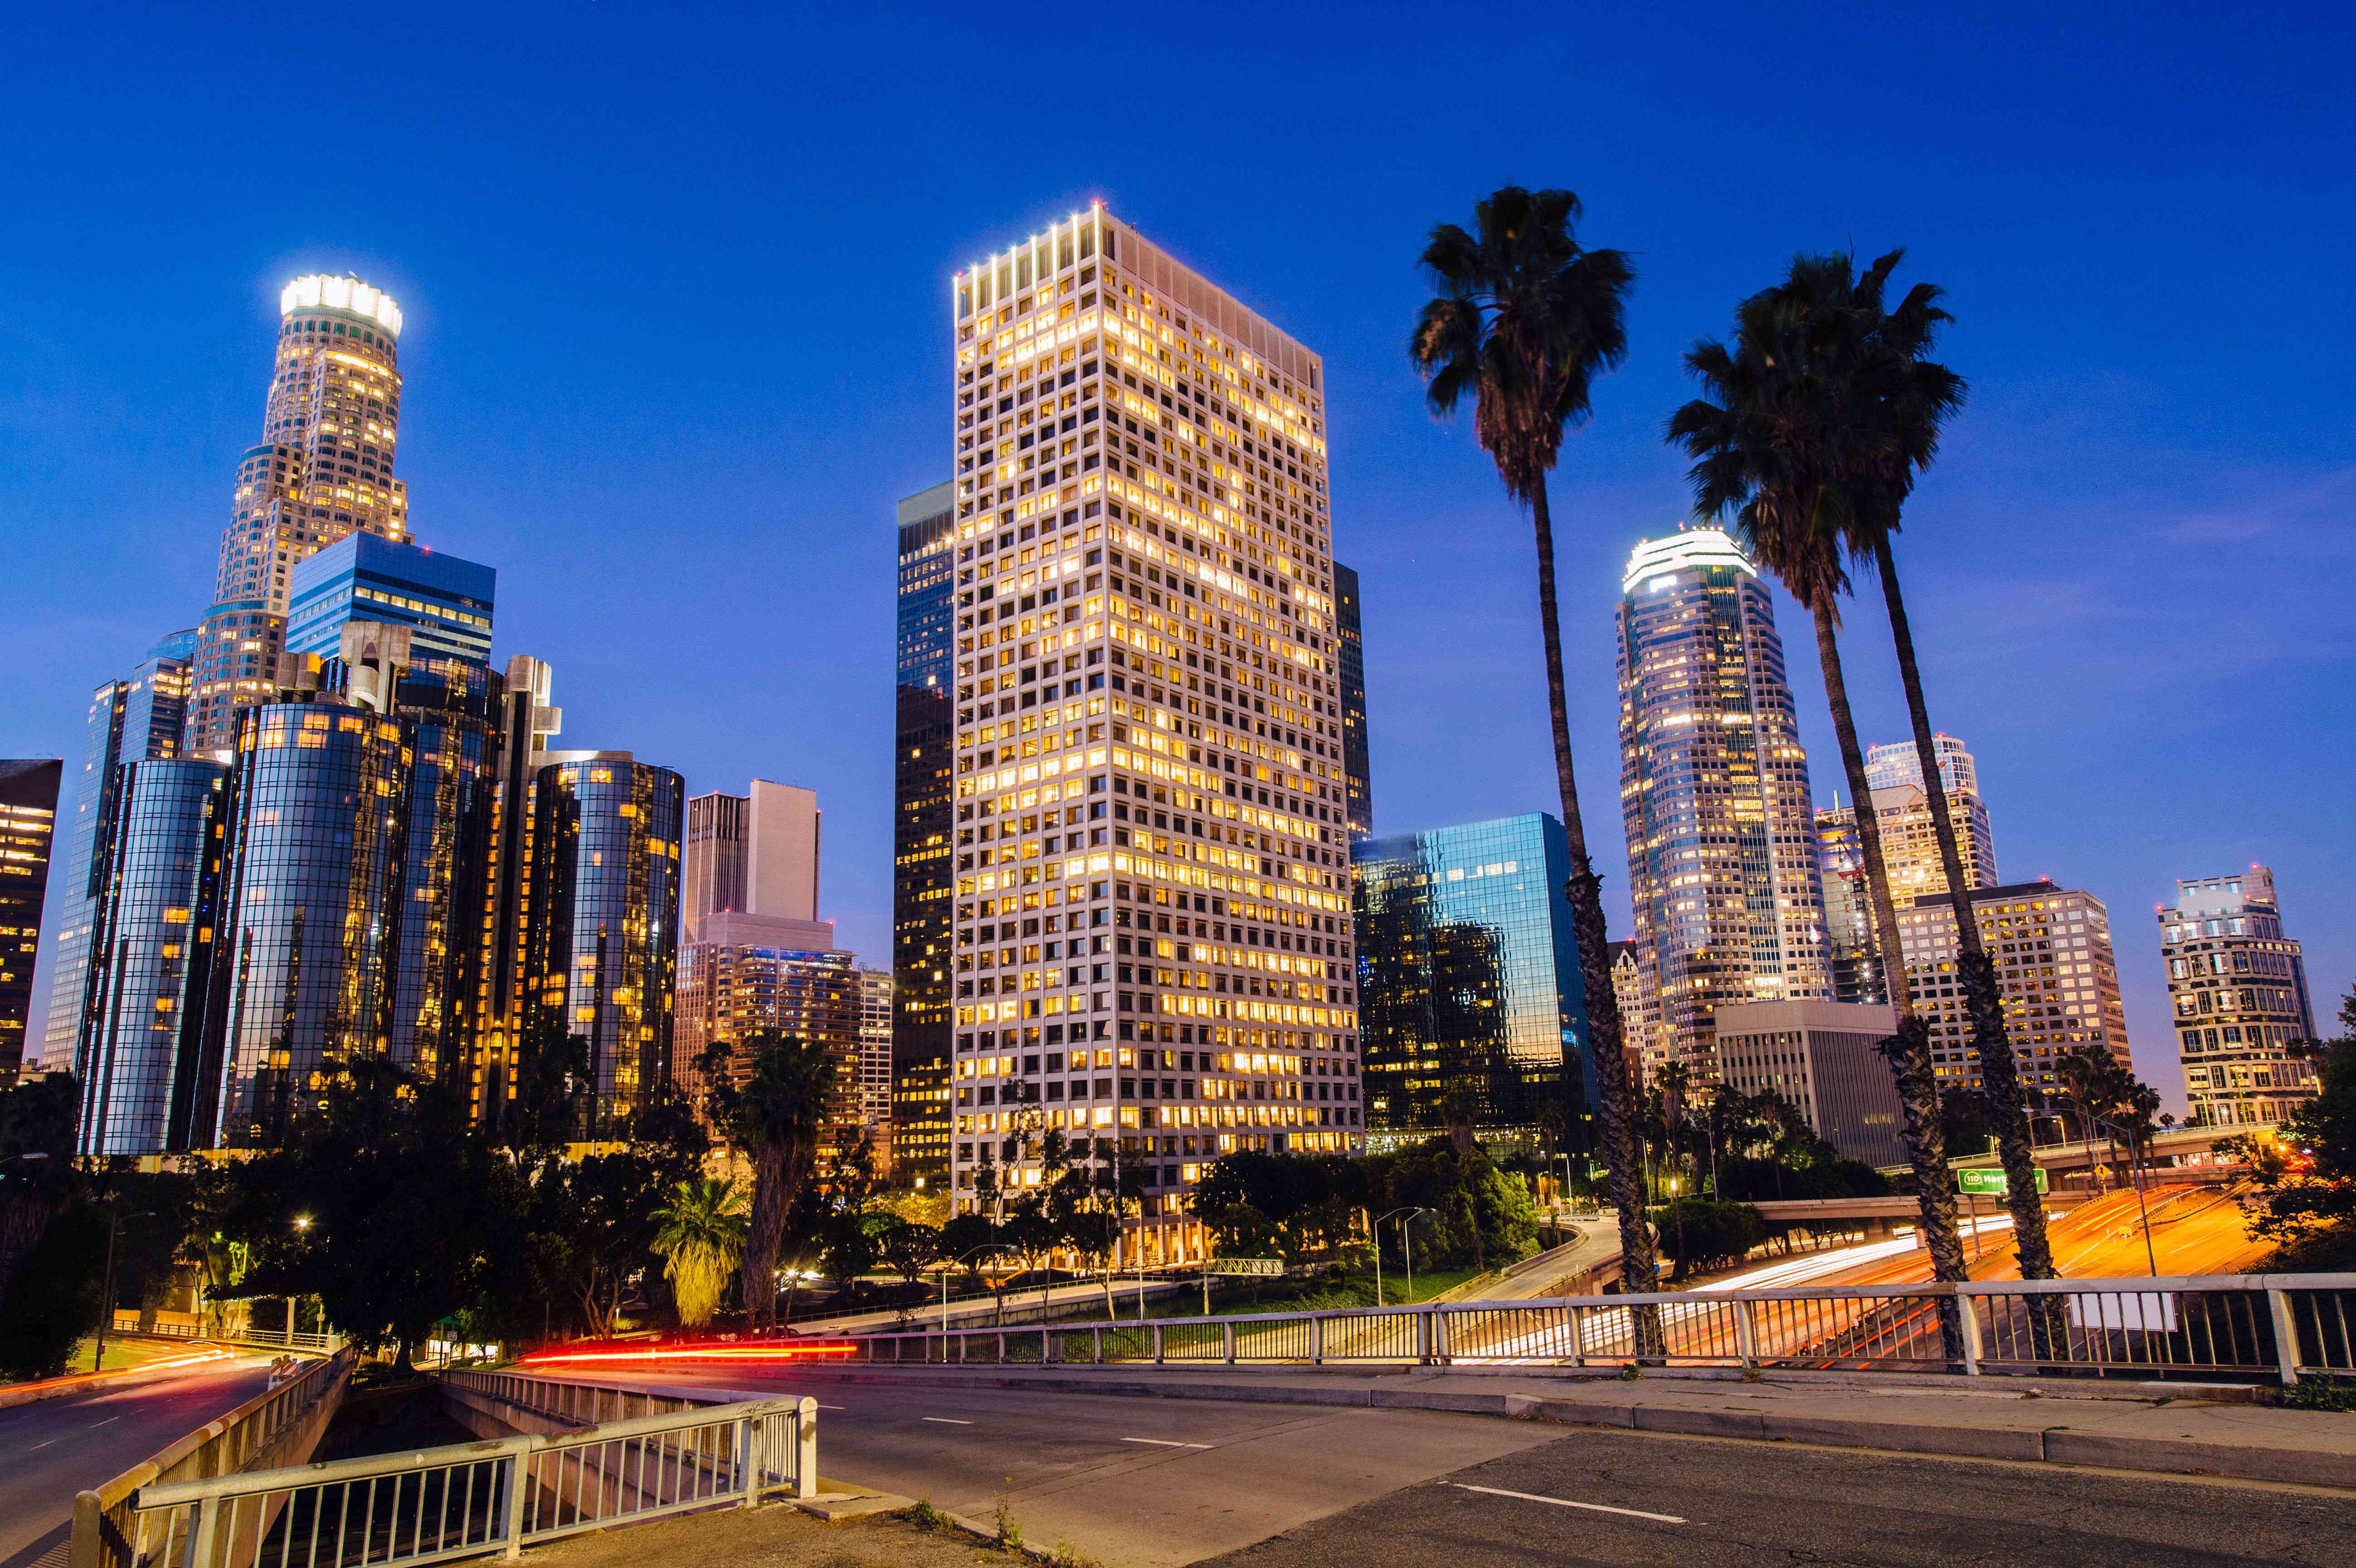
<point>1410,1212</point>
<point>106,1291</point>
<point>952,1265</point>
<point>2135,1174</point>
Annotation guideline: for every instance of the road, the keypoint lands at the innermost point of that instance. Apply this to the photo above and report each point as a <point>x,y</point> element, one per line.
<point>1139,1482</point>
<point>2195,1229</point>
<point>58,1447</point>
<point>1736,1504</point>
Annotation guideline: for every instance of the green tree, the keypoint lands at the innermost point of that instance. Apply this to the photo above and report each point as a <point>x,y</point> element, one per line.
<point>1522,321</point>
<point>2307,1183</point>
<point>774,1117</point>
<point>400,1200</point>
<point>701,1238</point>
<point>38,1119</point>
<point>1789,442</point>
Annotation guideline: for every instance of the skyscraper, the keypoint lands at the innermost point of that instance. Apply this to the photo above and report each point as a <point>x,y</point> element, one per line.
<point>754,858</point>
<point>874,1071</point>
<point>149,1063</point>
<point>923,763</point>
<point>29,826</point>
<point>602,952</point>
<point>324,469</point>
<point>1356,762</point>
<point>447,603</point>
<point>2238,988</point>
<point>1469,981</point>
<point>131,720</point>
<point>1824,1058</point>
<point>2055,973</point>
<point>1852,951</point>
<point>1152,913</point>
<point>1714,790</point>
<point>729,991</point>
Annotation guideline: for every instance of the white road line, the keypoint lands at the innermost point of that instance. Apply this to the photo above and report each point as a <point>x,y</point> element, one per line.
<point>1164,1443</point>
<point>96,1423</point>
<point>1567,1503</point>
<point>40,1445</point>
<point>947,1420</point>
<point>831,1407</point>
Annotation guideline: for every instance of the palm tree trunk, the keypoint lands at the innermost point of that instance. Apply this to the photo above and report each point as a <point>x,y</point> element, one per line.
<point>765,1228</point>
<point>1615,1085</point>
<point>1908,1050</point>
<point>1999,1070</point>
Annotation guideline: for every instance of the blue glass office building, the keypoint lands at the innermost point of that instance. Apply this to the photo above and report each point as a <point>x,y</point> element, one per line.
<point>147,1081</point>
<point>604,940</point>
<point>1469,981</point>
<point>306,944</point>
<point>446,601</point>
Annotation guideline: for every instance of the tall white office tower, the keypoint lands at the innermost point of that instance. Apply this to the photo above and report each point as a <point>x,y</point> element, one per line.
<point>1152,909</point>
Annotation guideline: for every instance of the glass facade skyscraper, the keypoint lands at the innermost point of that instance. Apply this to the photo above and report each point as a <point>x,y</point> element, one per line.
<point>28,826</point>
<point>1714,792</point>
<point>1469,981</point>
<point>148,1080</point>
<point>308,926</point>
<point>1356,762</point>
<point>445,602</point>
<point>923,758</point>
<point>605,935</point>
<point>131,720</point>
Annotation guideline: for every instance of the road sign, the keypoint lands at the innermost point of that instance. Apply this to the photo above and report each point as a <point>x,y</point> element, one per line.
<point>1991,1182</point>
<point>1245,1265</point>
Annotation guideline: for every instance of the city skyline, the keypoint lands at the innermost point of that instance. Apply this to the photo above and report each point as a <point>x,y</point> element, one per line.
<point>2200,499</point>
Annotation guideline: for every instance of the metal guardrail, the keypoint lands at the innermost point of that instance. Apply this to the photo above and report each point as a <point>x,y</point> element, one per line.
<point>105,1529</point>
<point>478,1499</point>
<point>2275,1328</point>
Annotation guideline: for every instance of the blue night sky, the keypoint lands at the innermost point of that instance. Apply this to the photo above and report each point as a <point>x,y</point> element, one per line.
<point>675,285</point>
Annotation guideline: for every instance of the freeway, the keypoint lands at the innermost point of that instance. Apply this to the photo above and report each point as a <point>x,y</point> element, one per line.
<point>2195,1229</point>
<point>59,1446</point>
<point>1600,1498</point>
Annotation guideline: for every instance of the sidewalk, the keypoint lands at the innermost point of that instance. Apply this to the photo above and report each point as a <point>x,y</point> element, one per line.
<point>2181,1428</point>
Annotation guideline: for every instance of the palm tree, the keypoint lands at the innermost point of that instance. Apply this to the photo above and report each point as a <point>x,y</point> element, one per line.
<point>775,1117</point>
<point>1522,321</point>
<point>703,1237</point>
<point>1791,447</point>
<point>1917,395</point>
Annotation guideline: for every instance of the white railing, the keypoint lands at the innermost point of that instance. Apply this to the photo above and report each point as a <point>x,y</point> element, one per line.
<point>478,1499</point>
<point>2277,1327</point>
<point>105,1530</point>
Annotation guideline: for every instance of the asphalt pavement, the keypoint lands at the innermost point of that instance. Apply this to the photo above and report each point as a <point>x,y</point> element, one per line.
<point>1699,1503</point>
<point>1135,1482</point>
<point>56,1447</point>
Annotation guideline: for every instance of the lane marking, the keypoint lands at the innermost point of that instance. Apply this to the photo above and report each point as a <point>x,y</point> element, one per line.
<point>1164,1443</point>
<point>1567,1503</point>
<point>40,1445</point>
<point>98,1423</point>
<point>831,1407</point>
<point>945,1420</point>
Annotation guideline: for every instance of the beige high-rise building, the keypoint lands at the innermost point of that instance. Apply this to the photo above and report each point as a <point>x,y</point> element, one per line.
<point>755,854</point>
<point>323,471</point>
<point>1714,792</point>
<point>2055,970</point>
<point>2238,989</point>
<point>1152,905</point>
<point>875,1070</point>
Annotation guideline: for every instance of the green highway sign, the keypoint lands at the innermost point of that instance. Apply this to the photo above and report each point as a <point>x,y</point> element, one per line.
<point>1991,1182</point>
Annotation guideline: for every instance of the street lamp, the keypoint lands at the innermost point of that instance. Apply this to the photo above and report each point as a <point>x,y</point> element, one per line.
<point>951,1266</point>
<point>2135,1174</point>
<point>1406,1249</point>
<point>106,1291</point>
